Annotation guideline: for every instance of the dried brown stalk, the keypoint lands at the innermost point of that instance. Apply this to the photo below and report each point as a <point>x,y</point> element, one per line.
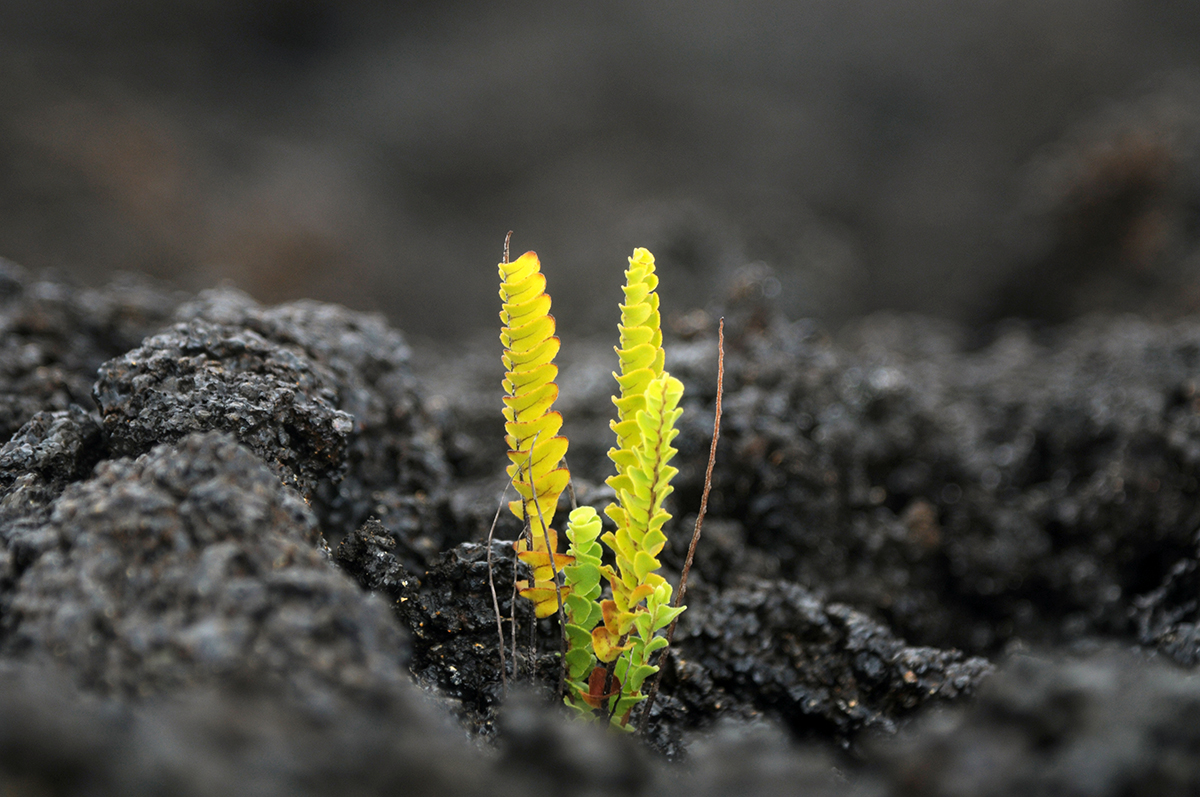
<point>687,564</point>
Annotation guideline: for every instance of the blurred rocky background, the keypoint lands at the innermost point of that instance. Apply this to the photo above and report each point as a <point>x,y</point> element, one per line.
<point>975,161</point>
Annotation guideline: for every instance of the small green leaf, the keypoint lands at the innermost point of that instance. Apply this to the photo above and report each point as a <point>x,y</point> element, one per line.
<point>642,622</point>
<point>578,636</point>
<point>580,662</point>
<point>641,481</point>
<point>638,674</point>
<point>582,577</point>
<point>666,615</point>
<point>657,643</point>
<point>662,595</point>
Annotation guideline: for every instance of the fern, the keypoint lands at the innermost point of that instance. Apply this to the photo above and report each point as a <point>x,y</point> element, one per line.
<point>610,642</point>
<point>624,635</point>
<point>531,428</point>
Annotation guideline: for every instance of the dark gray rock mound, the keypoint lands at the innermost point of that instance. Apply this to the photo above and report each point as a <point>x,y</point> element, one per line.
<point>1168,618</point>
<point>450,615</point>
<point>49,452</point>
<point>53,337</point>
<point>57,447</point>
<point>58,740</point>
<point>825,670</point>
<point>1106,725</point>
<point>201,376</point>
<point>1031,488</point>
<point>193,564</point>
<point>395,464</point>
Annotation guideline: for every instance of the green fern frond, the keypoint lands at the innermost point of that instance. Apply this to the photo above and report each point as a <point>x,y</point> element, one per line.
<point>647,410</point>
<point>582,607</point>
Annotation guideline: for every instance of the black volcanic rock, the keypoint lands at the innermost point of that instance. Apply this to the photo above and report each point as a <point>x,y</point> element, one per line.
<point>823,669</point>
<point>199,376</point>
<point>54,336</point>
<point>1108,723</point>
<point>888,508</point>
<point>1033,488</point>
<point>194,564</point>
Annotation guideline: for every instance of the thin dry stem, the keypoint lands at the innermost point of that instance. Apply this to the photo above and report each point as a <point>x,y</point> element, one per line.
<point>496,600</point>
<point>687,564</point>
<point>570,487</point>
<point>512,601</point>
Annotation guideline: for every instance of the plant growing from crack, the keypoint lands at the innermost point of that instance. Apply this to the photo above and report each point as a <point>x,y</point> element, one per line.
<point>612,629</point>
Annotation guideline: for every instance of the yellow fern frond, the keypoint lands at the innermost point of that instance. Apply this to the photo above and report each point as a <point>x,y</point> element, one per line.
<point>535,448</point>
<point>531,428</point>
<point>641,359</point>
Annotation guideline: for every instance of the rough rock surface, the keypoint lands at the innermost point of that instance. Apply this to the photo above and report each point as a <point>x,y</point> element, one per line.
<point>221,739</point>
<point>823,669</point>
<point>1168,618</point>
<point>53,337</point>
<point>451,617</point>
<point>199,376</point>
<point>395,465</point>
<point>1034,486</point>
<point>1109,723</point>
<point>889,509</point>
<point>195,564</point>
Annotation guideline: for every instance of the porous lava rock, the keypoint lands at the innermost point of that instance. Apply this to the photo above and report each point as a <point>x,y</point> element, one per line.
<point>194,563</point>
<point>1168,618</point>
<point>827,671</point>
<point>53,337</point>
<point>451,615</point>
<point>1032,486</point>
<point>1103,724</point>
<point>53,449</point>
<point>199,376</point>
<point>395,464</point>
